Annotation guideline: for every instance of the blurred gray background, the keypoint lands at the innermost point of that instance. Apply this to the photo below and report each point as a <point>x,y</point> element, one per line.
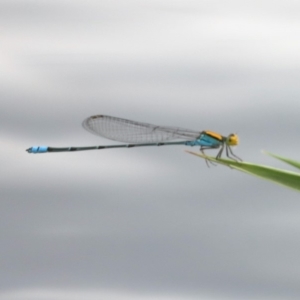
<point>147,223</point>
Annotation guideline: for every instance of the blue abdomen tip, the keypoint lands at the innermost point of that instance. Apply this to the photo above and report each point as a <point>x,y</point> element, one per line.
<point>38,149</point>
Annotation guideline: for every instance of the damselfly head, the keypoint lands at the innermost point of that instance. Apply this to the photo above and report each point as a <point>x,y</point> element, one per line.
<point>232,139</point>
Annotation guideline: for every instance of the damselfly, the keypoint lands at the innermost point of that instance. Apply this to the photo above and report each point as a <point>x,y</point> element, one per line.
<point>137,134</point>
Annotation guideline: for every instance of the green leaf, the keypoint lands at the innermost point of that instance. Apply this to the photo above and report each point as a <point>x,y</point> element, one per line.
<point>283,177</point>
<point>291,162</point>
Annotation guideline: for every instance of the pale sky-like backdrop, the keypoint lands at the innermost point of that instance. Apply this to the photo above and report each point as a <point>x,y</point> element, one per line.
<point>147,223</point>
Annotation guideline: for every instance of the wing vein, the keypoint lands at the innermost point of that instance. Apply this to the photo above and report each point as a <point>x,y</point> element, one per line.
<point>127,131</point>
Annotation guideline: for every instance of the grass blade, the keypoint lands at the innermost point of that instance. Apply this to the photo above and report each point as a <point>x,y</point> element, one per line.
<point>291,162</point>
<point>283,177</point>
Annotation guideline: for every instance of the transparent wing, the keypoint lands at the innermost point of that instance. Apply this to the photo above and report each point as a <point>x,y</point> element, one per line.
<point>135,132</point>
